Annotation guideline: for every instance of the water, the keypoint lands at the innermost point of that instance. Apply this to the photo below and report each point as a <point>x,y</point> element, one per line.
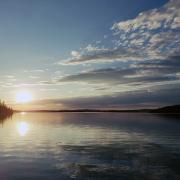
<point>113,146</point>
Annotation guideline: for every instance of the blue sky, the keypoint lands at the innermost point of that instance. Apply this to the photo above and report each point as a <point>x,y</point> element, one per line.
<point>66,51</point>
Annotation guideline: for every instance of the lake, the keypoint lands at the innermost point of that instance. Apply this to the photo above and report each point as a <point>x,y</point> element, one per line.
<point>56,146</point>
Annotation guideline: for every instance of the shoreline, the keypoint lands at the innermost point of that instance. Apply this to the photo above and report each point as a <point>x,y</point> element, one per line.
<point>169,110</point>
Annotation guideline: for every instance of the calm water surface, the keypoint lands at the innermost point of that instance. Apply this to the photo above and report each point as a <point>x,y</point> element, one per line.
<point>89,146</point>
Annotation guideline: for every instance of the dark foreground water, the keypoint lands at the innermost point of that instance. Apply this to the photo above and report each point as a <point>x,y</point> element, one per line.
<point>57,146</point>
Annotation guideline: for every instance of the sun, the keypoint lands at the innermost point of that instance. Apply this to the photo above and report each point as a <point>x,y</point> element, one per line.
<point>23,97</point>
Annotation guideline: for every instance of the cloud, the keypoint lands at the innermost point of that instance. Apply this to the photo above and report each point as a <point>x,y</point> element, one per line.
<point>117,53</point>
<point>156,32</point>
<point>153,34</point>
<point>34,71</point>
<point>164,17</point>
<point>140,73</point>
<point>34,77</point>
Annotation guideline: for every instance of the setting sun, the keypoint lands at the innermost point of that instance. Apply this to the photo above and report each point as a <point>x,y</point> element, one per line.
<point>24,97</point>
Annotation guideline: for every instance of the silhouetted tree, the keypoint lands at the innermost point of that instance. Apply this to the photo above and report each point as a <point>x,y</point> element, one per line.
<point>5,110</point>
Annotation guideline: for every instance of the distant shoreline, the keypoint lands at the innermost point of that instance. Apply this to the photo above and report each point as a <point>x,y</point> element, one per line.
<point>165,110</point>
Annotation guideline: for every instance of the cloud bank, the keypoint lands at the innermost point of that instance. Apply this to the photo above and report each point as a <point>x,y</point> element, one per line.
<point>132,99</point>
<point>146,72</point>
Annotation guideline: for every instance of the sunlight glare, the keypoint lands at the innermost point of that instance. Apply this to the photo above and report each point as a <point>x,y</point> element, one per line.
<point>23,128</point>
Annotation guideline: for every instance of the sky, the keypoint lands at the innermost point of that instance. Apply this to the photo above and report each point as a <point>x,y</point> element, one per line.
<point>66,54</point>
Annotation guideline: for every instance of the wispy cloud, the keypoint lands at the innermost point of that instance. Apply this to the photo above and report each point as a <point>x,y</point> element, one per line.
<point>34,71</point>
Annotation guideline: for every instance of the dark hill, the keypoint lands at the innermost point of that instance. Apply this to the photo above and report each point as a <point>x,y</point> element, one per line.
<point>168,110</point>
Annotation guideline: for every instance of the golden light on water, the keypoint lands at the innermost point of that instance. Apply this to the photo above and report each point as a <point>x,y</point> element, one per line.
<point>23,97</point>
<point>23,113</point>
<point>22,128</point>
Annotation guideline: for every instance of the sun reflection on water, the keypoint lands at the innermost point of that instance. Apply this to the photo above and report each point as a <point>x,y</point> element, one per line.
<point>23,128</point>
<point>23,113</point>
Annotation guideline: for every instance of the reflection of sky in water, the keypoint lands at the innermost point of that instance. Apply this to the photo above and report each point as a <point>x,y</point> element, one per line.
<point>61,144</point>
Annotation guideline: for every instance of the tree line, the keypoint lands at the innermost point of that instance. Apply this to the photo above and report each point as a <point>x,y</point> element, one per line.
<point>5,110</point>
